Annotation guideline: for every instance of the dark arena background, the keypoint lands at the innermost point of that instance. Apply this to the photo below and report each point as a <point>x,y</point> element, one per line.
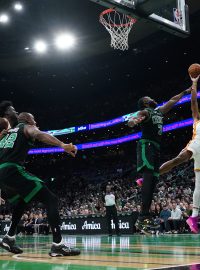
<point>56,63</point>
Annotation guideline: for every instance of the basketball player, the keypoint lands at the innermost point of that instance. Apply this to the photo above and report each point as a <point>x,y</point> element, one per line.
<point>23,186</point>
<point>150,119</point>
<point>192,150</point>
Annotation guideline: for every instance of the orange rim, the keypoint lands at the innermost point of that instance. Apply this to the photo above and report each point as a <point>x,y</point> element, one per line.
<point>110,10</point>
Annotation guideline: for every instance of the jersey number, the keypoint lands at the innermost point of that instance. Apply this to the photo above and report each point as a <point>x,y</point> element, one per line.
<point>8,141</point>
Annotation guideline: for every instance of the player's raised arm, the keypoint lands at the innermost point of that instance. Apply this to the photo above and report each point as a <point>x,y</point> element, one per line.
<point>141,116</point>
<point>194,102</point>
<point>169,105</point>
<point>34,133</point>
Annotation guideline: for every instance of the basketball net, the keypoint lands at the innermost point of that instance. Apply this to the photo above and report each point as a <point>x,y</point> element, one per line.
<point>119,26</point>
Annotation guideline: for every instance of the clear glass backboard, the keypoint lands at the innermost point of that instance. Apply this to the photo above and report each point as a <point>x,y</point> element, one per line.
<point>169,15</point>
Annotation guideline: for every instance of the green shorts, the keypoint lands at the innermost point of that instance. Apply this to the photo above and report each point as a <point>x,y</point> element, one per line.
<point>18,183</point>
<point>148,156</point>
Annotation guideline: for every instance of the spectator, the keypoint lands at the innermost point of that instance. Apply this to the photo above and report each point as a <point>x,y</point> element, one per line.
<point>174,221</point>
<point>165,214</point>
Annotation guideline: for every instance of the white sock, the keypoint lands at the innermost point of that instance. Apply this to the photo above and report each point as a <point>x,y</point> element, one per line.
<point>195,212</point>
<point>10,237</point>
<point>58,244</point>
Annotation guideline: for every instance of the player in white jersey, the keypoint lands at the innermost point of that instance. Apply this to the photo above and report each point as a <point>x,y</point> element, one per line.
<point>192,150</point>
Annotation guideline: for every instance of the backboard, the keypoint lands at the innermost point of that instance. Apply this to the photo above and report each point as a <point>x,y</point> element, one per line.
<point>169,15</point>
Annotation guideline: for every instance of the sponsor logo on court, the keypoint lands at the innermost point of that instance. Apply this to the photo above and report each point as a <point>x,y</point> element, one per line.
<point>68,227</point>
<point>122,225</point>
<point>91,226</point>
<point>97,225</point>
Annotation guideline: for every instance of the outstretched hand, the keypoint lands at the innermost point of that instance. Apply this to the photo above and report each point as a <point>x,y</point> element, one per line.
<point>70,149</point>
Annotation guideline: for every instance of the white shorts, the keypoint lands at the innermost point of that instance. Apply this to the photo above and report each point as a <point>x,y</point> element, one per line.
<point>194,147</point>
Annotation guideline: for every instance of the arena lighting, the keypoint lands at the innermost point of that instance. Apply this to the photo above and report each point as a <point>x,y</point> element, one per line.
<point>108,123</point>
<point>18,6</point>
<point>65,41</point>
<point>40,46</point>
<point>4,18</point>
<point>132,137</point>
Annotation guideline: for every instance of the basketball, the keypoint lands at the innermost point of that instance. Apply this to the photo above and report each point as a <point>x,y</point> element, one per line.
<point>3,124</point>
<point>194,70</point>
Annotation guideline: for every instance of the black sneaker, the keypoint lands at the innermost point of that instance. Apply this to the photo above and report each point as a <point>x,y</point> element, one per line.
<point>9,245</point>
<point>62,250</point>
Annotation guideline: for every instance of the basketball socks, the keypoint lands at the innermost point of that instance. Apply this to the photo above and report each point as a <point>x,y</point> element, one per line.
<point>58,244</point>
<point>195,212</point>
<point>11,237</point>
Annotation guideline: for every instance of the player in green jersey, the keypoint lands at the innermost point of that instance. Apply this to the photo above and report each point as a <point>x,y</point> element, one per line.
<point>21,186</point>
<point>150,118</point>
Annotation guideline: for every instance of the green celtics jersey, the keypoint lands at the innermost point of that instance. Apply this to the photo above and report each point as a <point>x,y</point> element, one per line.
<point>152,127</point>
<point>14,145</point>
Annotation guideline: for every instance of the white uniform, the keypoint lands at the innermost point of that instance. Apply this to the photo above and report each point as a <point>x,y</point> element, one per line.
<point>194,145</point>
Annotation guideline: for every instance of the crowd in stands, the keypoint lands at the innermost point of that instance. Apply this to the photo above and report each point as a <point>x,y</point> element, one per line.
<point>171,205</point>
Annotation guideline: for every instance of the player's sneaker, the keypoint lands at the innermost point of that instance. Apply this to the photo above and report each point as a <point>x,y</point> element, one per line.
<point>63,250</point>
<point>9,245</point>
<point>139,182</point>
<point>193,224</point>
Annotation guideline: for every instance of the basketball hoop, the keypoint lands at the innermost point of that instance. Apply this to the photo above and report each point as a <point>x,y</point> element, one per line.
<point>119,26</point>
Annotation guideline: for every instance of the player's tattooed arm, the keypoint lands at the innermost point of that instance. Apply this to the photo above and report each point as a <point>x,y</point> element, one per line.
<point>141,116</point>
<point>34,133</point>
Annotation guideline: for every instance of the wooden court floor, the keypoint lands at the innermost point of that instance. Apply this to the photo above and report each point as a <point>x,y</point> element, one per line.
<point>108,253</point>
